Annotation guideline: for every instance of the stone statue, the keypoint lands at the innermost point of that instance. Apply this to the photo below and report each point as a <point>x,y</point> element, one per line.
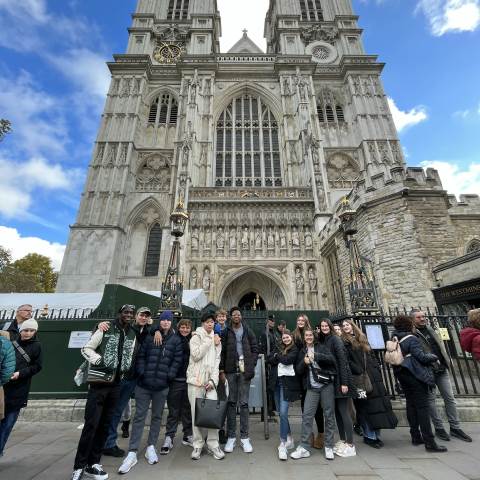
<point>308,239</point>
<point>193,278</point>
<point>283,238</point>
<point>220,239</point>
<point>312,279</point>
<point>299,281</point>
<point>286,86</point>
<point>295,238</point>
<point>206,280</point>
<point>270,238</point>
<point>258,239</point>
<point>245,240</point>
<point>233,239</point>
<point>195,239</point>
<point>208,238</point>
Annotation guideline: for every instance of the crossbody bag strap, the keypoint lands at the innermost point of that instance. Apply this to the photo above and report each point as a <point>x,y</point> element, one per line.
<point>22,352</point>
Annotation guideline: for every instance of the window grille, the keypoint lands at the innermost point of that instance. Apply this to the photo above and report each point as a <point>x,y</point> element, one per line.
<point>164,110</point>
<point>311,10</point>
<point>178,9</point>
<point>326,113</point>
<point>248,153</point>
<point>152,261</point>
<point>339,112</point>
<point>329,114</point>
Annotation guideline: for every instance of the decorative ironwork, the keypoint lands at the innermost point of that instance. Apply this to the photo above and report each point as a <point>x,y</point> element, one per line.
<point>361,285</point>
<point>172,287</point>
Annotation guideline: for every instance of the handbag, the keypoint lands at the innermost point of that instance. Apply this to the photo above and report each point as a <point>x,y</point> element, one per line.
<point>285,370</point>
<point>362,382</point>
<point>320,375</point>
<point>210,413</point>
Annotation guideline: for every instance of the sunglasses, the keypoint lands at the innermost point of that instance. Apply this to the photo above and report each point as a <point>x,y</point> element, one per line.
<point>129,307</point>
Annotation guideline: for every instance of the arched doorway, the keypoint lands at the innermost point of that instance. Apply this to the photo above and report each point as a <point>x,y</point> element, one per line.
<point>245,288</point>
<point>251,301</point>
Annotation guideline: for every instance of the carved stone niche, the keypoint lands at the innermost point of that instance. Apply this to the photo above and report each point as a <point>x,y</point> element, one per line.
<point>323,33</point>
<point>342,170</point>
<point>154,173</point>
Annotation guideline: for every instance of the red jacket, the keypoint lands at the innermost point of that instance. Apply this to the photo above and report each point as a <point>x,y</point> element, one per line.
<point>470,341</point>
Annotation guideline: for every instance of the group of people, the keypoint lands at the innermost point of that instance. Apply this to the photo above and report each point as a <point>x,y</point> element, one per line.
<point>330,369</point>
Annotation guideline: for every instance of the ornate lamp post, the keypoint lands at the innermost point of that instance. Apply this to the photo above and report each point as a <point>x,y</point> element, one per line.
<point>361,286</point>
<point>172,287</point>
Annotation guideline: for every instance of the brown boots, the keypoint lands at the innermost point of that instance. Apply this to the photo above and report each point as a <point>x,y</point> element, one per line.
<point>319,441</point>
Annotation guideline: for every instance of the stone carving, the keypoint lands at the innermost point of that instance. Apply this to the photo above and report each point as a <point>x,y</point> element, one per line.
<point>397,156</point>
<point>194,239</point>
<point>312,279</point>
<point>299,280</point>
<point>233,239</point>
<point>320,32</point>
<point>258,239</point>
<point>295,238</point>
<point>206,280</point>
<point>172,32</point>
<point>283,239</point>
<point>220,239</point>
<point>194,86</point>
<point>182,188</point>
<point>384,153</point>
<point>150,216</point>
<point>208,87</point>
<point>303,85</point>
<point>308,239</point>
<point>342,171</point>
<point>154,173</point>
<point>123,154</point>
<point>193,278</point>
<point>286,86</point>
<point>357,87</point>
<point>245,240</point>
<point>270,239</point>
<point>188,139</point>
<point>208,239</point>
<point>372,149</point>
<point>111,156</point>
<point>100,153</point>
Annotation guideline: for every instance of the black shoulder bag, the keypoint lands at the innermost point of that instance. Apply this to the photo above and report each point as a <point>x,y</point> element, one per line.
<point>210,413</point>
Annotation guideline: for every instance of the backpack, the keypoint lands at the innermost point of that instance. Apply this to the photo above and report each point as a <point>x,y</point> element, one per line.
<point>393,354</point>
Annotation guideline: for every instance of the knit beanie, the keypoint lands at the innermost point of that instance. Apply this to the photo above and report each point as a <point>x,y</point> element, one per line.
<point>166,315</point>
<point>30,324</point>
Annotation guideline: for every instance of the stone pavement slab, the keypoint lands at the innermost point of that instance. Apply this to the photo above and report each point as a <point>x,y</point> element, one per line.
<point>45,451</point>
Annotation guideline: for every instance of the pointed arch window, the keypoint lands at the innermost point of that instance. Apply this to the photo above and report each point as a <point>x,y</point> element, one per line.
<point>163,110</point>
<point>473,246</point>
<point>178,9</point>
<point>247,145</point>
<point>152,260</point>
<point>311,10</point>
<point>330,114</point>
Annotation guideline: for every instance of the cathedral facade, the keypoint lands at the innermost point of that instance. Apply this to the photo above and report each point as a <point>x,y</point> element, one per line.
<point>261,148</point>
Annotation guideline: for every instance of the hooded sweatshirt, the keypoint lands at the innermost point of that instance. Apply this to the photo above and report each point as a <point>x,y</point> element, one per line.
<point>470,341</point>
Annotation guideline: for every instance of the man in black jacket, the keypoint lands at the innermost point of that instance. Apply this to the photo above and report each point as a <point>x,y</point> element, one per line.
<point>23,313</point>
<point>238,361</point>
<point>432,343</point>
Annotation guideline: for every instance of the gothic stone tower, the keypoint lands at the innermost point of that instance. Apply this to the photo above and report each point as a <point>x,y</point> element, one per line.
<point>259,146</point>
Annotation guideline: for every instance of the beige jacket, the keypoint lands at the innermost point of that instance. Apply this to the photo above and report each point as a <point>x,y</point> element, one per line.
<point>204,358</point>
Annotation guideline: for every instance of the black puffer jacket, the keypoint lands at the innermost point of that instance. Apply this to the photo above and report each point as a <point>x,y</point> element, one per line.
<point>229,357</point>
<point>158,366</point>
<point>16,391</point>
<point>344,376</point>
<point>182,371</point>
<point>416,360</point>
<point>376,409</point>
<point>322,356</point>
<point>292,388</point>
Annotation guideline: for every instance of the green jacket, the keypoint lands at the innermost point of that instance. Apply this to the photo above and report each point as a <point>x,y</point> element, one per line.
<point>7,360</point>
<point>101,351</point>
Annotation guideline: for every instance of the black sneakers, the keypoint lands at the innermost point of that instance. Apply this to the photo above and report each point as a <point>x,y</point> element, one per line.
<point>434,447</point>
<point>442,434</point>
<point>460,434</point>
<point>95,472</point>
<point>114,452</point>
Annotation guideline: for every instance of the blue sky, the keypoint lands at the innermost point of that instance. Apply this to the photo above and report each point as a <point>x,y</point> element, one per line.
<point>53,81</point>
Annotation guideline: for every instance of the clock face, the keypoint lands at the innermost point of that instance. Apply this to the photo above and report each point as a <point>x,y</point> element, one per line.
<point>167,53</point>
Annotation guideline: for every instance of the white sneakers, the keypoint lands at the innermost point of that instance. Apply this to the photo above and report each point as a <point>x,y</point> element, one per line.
<point>167,446</point>
<point>216,453</point>
<point>129,462</point>
<point>77,474</point>
<point>196,454</point>
<point>290,444</point>
<point>188,441</point>
<point>329,455</point>
<point>246,445</point>
<point>230,445</point>
<point>282,451</point>
<point>151,455</point>
<point>299,453</point>
<point>345,450</point>
<point>340,445</point>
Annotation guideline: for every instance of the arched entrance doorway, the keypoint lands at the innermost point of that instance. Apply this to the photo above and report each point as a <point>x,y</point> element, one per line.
<point>245,288</point>
<point>252,301</point>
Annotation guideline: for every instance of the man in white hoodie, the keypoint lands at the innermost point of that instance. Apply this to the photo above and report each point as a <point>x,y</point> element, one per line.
<point>202,375</point>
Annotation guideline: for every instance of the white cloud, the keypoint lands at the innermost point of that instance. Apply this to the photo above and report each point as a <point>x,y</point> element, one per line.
<point>20,246</point>
<point>456,180</point>
<point>404,120</point>
<point>19,182</point>
<point>451,15</point>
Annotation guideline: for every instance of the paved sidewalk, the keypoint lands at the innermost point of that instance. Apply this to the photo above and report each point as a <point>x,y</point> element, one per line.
<point>45,451</point>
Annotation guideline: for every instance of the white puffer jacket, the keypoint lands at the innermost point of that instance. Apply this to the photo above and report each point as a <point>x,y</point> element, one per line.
<point>204,358</point>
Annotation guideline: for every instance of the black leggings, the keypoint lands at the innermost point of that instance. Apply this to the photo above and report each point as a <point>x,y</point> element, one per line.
<point>344,420</point>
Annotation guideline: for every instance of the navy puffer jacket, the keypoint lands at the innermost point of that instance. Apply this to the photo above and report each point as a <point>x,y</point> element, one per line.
<point>158,366</point>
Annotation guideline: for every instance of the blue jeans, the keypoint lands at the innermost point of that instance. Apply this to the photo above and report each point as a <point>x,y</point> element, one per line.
<point>369,432</point>
<point>282,408</point>
<point>127,387</point>
<point>6,427</point>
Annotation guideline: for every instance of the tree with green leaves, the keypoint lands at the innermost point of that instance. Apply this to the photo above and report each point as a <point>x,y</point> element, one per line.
<point>5,128</point>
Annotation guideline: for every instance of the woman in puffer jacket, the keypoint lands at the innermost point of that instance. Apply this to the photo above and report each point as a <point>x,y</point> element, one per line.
<point>416,377</point>
<point>202,378</point>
